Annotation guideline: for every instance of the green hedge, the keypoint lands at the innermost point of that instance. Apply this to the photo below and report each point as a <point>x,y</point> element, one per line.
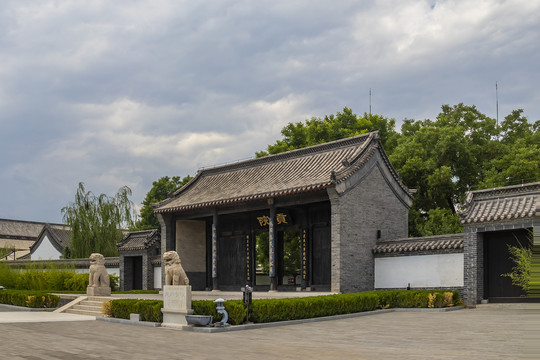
<point>150,310</point>
<point>47,277</point>
<point>235,308</point>
<point>31,299</point>
<point>271,310</point>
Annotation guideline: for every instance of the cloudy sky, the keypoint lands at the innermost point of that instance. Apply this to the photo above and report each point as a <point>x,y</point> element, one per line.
<point>115,93</point>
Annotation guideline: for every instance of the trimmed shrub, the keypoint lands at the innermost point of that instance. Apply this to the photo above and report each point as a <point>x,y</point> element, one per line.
<point>149,310</point>
<point>122,308</point>
<point>47,277</point>
<point>271,310</point>
<point>235,308</point>
<point>31,299</point>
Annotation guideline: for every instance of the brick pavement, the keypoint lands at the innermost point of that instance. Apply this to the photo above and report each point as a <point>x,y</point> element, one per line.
<point>488,332</point>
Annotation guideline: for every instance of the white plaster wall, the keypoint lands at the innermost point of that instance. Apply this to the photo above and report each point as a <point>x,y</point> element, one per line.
<point>110,271</point>
<point>157,277</point>
<point>46,251</point>
<point>444,270</point>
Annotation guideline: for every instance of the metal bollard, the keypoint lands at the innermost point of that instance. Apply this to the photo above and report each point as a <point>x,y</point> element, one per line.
<point>248,292</point>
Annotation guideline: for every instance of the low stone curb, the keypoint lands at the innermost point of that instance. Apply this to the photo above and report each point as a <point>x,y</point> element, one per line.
<point>304,321</point>
<point>129,322</point>
<point>202,329</point>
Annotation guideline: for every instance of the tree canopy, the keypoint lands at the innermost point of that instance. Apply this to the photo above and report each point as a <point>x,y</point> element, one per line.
<point>96,222</point>
<point>332,127</point>
<point>161,189</point>
<point>461,150</point>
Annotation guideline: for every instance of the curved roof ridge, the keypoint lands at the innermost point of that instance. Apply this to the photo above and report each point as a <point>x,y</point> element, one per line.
<point>303,170</point>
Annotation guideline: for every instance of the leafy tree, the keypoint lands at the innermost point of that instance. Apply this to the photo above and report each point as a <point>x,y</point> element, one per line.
<point>96,222</point>
<point>439,221</point>
<point>519,153</point>
<point>333,127</point>
<point>461,150</point>
<point>261,251</point>
<point>161,189</point>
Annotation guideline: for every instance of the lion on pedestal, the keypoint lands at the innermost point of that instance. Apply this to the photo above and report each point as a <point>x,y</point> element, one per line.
<point>174,273</point>
<point>98,281</point>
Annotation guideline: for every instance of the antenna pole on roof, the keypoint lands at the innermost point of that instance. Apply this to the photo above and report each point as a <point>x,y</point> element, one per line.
<point>369,101</point>
<point>497,101</point>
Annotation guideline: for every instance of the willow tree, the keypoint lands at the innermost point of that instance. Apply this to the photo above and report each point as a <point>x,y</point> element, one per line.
<point>96,222</point>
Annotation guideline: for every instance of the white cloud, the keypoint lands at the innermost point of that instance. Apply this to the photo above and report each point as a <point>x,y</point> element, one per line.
<point>124,92</point>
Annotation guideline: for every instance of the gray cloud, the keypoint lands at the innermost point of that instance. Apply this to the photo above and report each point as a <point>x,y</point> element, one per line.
<point>123,93</point>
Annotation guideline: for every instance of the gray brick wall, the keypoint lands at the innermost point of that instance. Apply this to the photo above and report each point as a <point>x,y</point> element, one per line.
<point>473,267</point>
<point>368,203</point>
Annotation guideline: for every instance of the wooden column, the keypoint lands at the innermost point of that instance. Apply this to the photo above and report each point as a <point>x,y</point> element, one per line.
<point>215,285</point>
<point>272,247</point>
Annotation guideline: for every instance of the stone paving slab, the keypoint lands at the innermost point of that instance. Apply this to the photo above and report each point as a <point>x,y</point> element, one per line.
<point>486,333</point>
<point>10,317</point>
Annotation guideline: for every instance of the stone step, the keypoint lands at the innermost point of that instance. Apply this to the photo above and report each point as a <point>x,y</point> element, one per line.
<point>83,312</point>
<point>92,303</point>
<point>87,307</point>
<point>101,298</point>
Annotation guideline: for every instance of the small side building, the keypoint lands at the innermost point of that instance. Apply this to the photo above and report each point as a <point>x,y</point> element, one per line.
<point>21,236</point>
<point>51,243</point>
<point>137,251</point>
<point>494,219</point>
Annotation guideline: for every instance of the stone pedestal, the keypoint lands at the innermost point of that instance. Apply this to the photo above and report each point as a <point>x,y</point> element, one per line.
<point>176,305</point>
<point>98,291</point>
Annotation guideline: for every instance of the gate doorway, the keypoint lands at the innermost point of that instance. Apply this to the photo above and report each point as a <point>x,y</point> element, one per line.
<point>288,259</point>
<point>497,261</point>
<point>321,259</point>
<point>134,270</point>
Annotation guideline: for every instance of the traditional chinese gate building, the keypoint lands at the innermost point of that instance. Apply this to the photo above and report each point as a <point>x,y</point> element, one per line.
<point>493,220</point>
<point>325,206</point>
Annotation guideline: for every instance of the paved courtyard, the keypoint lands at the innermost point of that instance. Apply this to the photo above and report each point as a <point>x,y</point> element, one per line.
<point>488,332</point>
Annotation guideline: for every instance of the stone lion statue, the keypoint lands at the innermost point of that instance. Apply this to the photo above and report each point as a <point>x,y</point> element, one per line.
<point>98,273</point>
<point>174,273</point>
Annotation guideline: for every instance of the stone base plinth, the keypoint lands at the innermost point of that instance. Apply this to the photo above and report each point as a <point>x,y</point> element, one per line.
<point>98,291</point>
<point>176,305</point>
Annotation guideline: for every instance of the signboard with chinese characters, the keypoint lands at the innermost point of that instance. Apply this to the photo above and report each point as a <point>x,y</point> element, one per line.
<point>248,259</point>
<point>283,218</point>
<point>214,251</point>
<point>304,256</point>
<point>271,252</point>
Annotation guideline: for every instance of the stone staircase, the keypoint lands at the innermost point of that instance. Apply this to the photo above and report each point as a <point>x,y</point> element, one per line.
<point>85,305</point>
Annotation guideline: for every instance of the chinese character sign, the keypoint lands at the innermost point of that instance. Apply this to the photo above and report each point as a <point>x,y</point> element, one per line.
<point>271,253</point>
<point>248,259</point>
<point>214,251</point>
<point>281,219</point>
<point>263,220</point>
<point>304,254</point>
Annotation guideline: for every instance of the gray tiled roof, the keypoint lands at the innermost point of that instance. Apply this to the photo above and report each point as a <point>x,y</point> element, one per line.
<point>303,170</point>
<point>502,204</point>
<point>438,242</point>
<point>139,240</point>
<point>58,235</point>
<point>21,229</point>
